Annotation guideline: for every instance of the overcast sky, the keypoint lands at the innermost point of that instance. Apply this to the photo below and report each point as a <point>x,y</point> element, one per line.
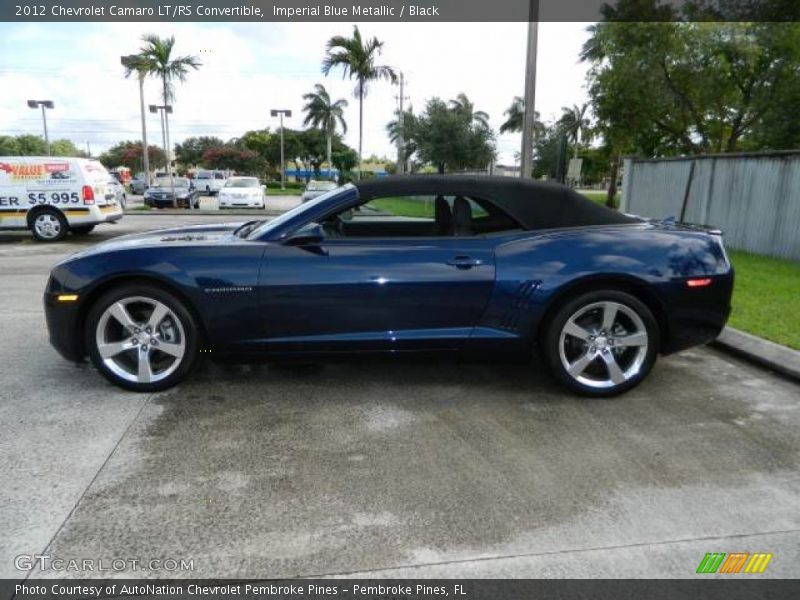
<point>250,68</point>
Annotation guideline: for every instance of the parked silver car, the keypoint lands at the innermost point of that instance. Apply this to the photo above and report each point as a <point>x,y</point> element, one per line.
<point>138,186</point>
<point>317,188</point>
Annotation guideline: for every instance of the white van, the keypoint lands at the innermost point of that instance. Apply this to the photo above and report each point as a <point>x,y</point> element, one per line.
<point>53,195</point>
<point>210,182</point>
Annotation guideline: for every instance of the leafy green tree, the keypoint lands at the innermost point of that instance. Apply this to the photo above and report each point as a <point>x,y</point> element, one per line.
<point>129,154</point>
<point>229,157</point>
<point>344,160</point>
<point>450,138</point>
<point>356,58</point>
<point>31,145</point>
<point>190,152</point>
<point>671,88</point>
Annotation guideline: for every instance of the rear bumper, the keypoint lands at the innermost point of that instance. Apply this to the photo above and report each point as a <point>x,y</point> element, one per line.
<point>697,316</point>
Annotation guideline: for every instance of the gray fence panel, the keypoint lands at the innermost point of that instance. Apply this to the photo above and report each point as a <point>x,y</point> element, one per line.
<point>754,199</point>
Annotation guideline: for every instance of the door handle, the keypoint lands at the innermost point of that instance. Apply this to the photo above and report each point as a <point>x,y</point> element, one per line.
<point>464,262</point>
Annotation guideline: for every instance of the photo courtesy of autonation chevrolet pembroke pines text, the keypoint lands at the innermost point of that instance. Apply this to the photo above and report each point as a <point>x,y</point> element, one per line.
<point>399,299</point>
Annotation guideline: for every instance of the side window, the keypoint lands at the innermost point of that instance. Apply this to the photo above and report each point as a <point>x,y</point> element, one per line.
<point>419,216</point>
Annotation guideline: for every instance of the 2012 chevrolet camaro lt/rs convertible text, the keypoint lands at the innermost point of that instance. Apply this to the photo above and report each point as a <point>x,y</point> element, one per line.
<point>482,266</point>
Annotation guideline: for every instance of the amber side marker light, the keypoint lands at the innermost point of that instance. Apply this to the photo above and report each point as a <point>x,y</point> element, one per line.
<point>693,283</point>
<point>67,297</point>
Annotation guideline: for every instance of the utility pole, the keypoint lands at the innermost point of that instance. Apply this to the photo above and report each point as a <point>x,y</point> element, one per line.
<point>88,149</point>
<point>401,142</point>
<point>529,118</point>
<point>274,113</point>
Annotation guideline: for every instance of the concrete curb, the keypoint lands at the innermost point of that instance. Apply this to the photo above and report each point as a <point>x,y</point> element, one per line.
<point>760,351</point>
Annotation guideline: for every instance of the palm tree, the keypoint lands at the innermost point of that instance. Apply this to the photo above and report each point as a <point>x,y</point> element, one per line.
<point>464,105</point>
<point>157,52</point>
<point>356,58</point>
<point>573,121</point>
<point>515,115</point>
<point>406,132</point>
<point>324,114</point>
<point>137,63</point>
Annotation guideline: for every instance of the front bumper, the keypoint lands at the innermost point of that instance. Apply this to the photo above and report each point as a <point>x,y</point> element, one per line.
<point>63,321</point>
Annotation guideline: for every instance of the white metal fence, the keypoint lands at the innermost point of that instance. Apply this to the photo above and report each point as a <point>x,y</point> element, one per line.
<point>753,198</point>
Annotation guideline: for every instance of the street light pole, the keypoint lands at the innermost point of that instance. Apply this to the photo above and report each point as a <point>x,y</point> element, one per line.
<point>44,104</point>
<point>401,140</point>
<point>274,113</point>
<point>529,117</point>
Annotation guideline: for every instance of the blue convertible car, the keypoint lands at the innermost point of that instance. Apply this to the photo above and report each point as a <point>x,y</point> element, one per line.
<point>482,266</point>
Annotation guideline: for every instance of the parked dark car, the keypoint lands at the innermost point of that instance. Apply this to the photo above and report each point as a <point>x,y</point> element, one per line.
<point>160,194</point>
<point>482,266</point>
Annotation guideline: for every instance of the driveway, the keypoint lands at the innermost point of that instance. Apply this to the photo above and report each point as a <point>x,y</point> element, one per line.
<point>385,469</point>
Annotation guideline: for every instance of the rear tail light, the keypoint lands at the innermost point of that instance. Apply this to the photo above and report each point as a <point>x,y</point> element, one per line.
<point>88,194</point>
<point>695,283</point>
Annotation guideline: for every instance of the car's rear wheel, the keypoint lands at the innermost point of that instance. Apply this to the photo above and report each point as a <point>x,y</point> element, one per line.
<point>49,225</point>
<point>141,338</point>
<point>602,343</point>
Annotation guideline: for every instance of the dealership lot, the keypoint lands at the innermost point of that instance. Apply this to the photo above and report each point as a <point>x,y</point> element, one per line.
<point>382,469</point>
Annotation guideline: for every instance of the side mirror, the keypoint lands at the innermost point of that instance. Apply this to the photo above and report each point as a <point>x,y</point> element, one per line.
<point>308,236</point>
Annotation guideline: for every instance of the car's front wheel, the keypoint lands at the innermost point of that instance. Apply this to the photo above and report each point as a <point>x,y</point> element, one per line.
<point>141,338</point>
<point>602,343</point>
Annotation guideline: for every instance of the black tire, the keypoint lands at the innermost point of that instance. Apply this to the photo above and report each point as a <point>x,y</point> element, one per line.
<point>48,225</point>
<point>188,329</point>
<point>634,362</point>
<point>81,230</point>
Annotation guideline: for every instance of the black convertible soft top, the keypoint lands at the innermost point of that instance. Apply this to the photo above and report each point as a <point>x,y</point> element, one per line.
<point>533,204</point>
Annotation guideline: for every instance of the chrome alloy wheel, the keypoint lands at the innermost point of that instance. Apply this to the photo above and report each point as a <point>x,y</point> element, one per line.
<point>603,344</point>
<point>47,226</point>
<point>140,339</point>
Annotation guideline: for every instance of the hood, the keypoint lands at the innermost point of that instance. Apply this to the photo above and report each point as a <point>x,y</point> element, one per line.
<point>208,235</point>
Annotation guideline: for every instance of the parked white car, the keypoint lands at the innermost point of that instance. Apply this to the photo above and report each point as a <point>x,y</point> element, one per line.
<point>53,196</point>
<point>242,192</point>
<point>210,182</point>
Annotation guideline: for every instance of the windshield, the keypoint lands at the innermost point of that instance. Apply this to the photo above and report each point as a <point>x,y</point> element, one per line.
<point>242,182</point>
<point>268,226</point>
<point>165,182</point>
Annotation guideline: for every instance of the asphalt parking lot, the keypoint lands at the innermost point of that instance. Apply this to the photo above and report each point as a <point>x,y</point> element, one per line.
<point>385,470</point>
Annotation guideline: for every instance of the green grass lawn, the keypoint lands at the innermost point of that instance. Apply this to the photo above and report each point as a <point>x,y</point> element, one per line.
<point>766,297</point>
<point>404,207</point>
<point>286,192</point>
<point>600,197</point>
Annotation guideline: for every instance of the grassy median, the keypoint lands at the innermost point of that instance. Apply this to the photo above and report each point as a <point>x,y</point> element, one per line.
<point>766,297</point>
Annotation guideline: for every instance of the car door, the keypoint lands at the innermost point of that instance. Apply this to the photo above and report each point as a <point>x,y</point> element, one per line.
<point>383,293</point>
